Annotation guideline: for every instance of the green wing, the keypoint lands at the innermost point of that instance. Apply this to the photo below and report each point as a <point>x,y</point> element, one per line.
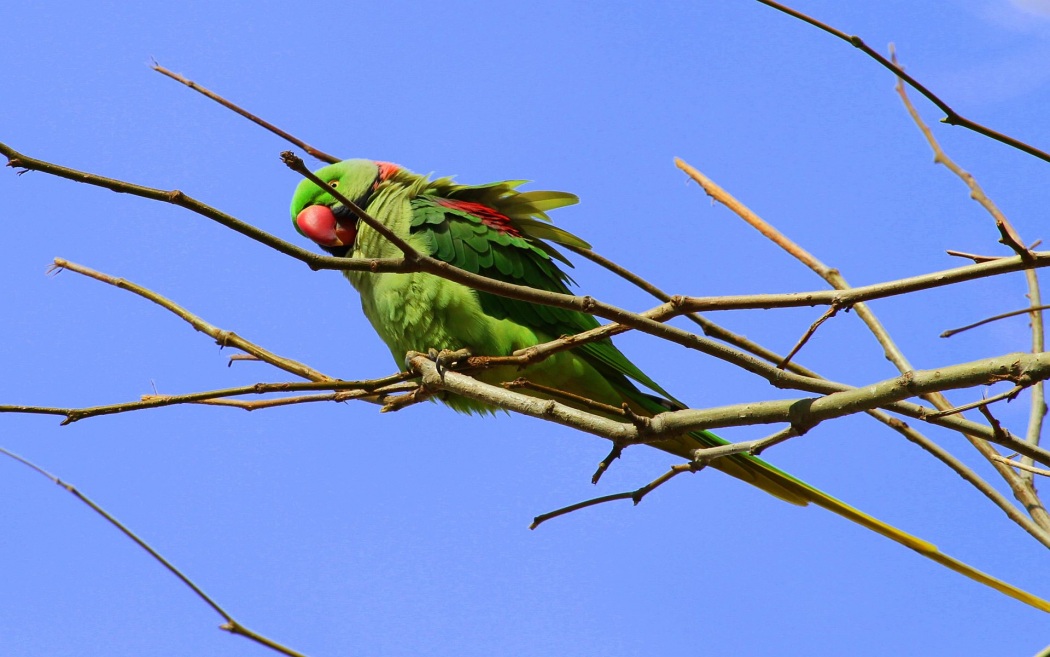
<point>500,239</point>
<point>505,246</point>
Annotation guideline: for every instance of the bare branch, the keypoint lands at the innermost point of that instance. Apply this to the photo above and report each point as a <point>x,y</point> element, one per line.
<point>1020,484</point>
<point>1013,313</point>
<point>967,474</point>
<point>702,458</point>
<point>976,257</point>
<point>802,414</point>
<point>1009,395</point>
<point>352,389</point>
<point>175,197</point>
<point>319,154</point>
<point>634,495</point>
<point>1022,491</point>
<point>828,314</point>
<point>222,338</point>
<point>585,304</point>
<point>1024,466</point>
<point>231,625</point>
<point>713,330</point>
<point>951,116</point>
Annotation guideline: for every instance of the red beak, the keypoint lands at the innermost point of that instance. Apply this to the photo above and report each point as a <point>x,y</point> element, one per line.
<point>319,223</point>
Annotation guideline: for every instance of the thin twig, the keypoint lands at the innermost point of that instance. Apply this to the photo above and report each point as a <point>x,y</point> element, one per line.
<point>1020,484</point>
<point>635,496</point>
<point>972,256</point>
<point>713,330</point>
<point>319,154</point>
<point>365,388</point>
<point>1010,395</point>
<point>376,396</point>
<point>845,294</point>
<point>1013,313</point>
<point>1038,408</point>
<point>828,314</point>
<point>968,475</point>
<point>231,625</point>
<point>951,116</point>
<point>176,197</point>
<point>606,463</point>
<point>701,459</point>
<point>563,395</point>
<point>1024,466</point>
<point>222,338</point>
<point>710,328</point>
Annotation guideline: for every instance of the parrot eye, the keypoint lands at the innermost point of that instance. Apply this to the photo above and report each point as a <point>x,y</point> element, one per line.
<point>333,183</point>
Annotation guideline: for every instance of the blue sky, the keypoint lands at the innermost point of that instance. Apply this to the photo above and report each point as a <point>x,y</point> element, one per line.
<point>340,531</point>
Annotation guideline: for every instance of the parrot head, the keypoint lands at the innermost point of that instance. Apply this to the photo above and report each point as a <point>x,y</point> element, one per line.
<point>318,216</point>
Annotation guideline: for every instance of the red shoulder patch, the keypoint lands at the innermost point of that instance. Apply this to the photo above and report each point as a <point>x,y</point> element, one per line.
<point>387,169</point>
<point>488,216</point>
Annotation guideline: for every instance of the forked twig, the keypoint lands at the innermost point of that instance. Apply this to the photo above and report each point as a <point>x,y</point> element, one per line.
<point>701,459</point>
<point>845,293</point>
<point>1021,484</point>
<point>635,496</point>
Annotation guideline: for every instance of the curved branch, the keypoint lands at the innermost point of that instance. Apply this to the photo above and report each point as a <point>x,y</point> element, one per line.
<point>319,154</point>
<point>231,625</point>
<point>951,117</point>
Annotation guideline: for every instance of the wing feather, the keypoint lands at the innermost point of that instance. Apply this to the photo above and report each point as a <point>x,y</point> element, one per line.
<point>516,254</point>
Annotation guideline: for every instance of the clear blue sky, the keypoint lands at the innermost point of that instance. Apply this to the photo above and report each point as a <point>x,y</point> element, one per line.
<point>344,532</point>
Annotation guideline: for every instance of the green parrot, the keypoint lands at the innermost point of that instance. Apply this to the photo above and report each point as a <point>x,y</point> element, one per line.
<point>502,233</point>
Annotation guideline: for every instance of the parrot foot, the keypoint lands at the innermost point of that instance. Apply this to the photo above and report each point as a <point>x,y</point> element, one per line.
<point>445,359</point>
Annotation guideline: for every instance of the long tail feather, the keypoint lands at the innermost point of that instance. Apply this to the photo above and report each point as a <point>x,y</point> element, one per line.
<point>925,548</point>
<point>757,472</point>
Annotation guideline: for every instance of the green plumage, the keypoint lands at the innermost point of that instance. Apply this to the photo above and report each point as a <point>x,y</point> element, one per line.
<point>498,232</point>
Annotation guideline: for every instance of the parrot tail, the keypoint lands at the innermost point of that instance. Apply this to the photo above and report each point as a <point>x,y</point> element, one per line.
<point>780,484</point>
